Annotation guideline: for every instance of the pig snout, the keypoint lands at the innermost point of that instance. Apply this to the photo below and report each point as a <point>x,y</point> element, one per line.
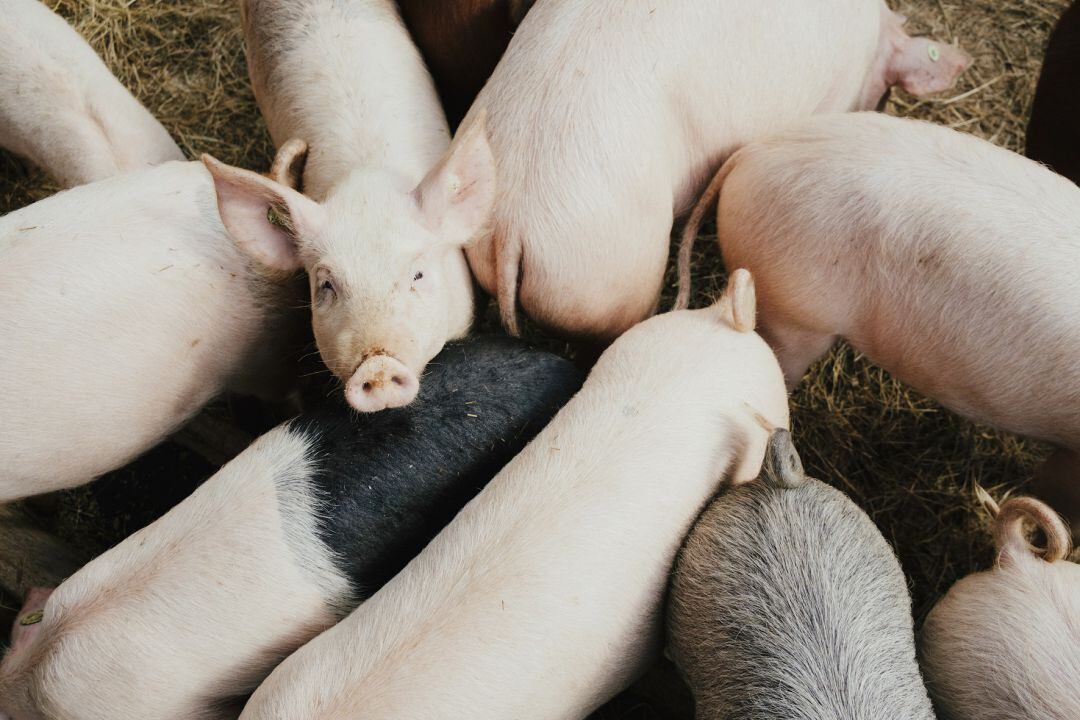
<point>379,383</point>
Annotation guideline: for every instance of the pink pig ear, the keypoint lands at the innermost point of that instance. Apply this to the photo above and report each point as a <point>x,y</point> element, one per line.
<point>741,296</point>
<point>920,66</point>
<point>457,198</point>
<point>265,218</point>
<point>28,622</point>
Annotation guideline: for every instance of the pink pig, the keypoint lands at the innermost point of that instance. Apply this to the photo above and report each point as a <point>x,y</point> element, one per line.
<point>607,117</point>
<point>61,108</point>
<point>951,262</point>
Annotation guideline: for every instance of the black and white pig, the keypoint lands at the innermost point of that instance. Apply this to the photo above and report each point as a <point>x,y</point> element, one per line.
<point>189,614</point>
<point>787,602</point>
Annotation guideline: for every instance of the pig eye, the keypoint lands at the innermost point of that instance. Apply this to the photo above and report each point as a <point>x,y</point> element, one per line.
<point>326,291</point>
<point>418,276</point>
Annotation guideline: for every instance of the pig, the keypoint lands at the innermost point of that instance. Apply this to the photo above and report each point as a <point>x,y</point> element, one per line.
<point>125,306</point>
<point>1052,134</point>
<point>786,602</point>
<point>462,41</point>
<point>387,207</point>
<point>1005,643</point>
<point>190,613</point>
<point>542,599</point>
<point>950,262</point>
<point>62,109</point>
<point>606,117</point>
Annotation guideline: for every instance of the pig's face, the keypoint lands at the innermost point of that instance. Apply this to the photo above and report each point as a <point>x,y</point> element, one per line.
<point>383,304</point>
<point>389,281</point>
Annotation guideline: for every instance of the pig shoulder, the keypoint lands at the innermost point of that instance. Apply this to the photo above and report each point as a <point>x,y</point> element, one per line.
<point>388,482</point>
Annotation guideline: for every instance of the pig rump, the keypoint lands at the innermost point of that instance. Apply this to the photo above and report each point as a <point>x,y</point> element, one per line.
<point>787,602</point>
<point>1005,643</point>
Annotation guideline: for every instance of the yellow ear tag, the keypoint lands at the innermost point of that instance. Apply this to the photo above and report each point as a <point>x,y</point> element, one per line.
<point>32,618</point>
<point>934,53</point>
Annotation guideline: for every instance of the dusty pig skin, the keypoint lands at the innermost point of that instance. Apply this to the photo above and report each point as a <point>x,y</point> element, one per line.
<point>542,598</point>
<point>786,602</point>
<point>388,207</point>
<point>62,109</point>
<point>607,117</point>
<point>1053,135</point>
<point>949,261</point>
<point>191,612</point>
<point>1005,644</point>
<point>125,306</point>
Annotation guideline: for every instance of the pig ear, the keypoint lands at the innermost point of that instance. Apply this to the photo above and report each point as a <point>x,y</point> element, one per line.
<point>28,623</point>
<point>741,297</point>
<point>288,167</point>
<point>457,197</point>
<point>264,217</point>
<point>923,67</point>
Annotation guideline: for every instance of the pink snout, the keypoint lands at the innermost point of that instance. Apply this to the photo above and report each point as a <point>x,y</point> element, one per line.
<point>381,382</point>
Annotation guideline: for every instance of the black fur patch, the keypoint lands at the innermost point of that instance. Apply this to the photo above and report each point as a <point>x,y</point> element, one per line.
<point>391,480</point>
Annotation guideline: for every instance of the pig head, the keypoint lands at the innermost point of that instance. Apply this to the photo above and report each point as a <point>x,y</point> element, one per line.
<point>388,277</point>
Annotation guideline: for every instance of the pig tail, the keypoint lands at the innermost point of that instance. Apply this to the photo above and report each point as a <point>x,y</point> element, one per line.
<point>707,202</point>
<point>1008,527</point>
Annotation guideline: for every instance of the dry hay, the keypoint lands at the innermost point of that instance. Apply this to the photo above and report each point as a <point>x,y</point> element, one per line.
<point>910,464</point>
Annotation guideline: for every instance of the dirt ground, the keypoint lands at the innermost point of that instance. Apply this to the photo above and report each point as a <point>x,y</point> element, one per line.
<point>909,463</point>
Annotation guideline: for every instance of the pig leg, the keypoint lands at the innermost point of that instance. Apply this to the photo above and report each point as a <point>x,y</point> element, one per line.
<point>1058,483</point>
<point>796,349</point>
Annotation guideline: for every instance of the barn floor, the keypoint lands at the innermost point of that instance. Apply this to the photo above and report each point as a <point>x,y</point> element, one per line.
<point>909,463</point>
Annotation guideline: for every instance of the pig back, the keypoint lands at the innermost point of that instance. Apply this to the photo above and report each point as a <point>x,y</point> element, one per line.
<point>937,255</point>
<point>789,603</point>
<point>125,307</point>
<point>346,78</point>
<point>63,109</point>
<point>607,118</point>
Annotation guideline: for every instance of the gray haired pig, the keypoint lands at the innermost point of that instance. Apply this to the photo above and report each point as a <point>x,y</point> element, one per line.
<point>788,603</point>
<point>61,108</point>
<point>1005,644</point>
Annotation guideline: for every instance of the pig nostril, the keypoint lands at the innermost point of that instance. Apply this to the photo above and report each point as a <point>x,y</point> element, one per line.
<point>366,387</point>
<point>397,380</point>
